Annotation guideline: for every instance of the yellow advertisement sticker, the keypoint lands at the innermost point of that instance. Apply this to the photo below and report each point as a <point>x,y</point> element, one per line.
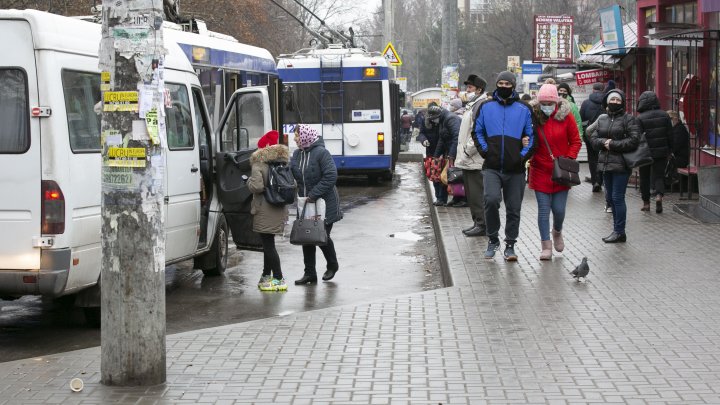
<point>120,101</point>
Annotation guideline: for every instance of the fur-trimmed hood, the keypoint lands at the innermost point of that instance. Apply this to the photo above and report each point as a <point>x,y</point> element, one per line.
<point>563,110</point>
<point>273,153</point>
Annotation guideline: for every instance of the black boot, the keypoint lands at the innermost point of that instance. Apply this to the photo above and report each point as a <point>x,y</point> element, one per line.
<point>615,238</point>
<point>329,274</point>
<point>307,278</point>
<point>471,227</point>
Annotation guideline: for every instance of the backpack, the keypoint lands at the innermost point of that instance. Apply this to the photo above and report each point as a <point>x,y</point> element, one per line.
<point>280,188</point>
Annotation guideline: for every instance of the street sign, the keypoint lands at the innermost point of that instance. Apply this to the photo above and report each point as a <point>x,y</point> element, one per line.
<point>553,39</point>
<point>532,68</point>
<point>513,63</point>
<point>391,55</point>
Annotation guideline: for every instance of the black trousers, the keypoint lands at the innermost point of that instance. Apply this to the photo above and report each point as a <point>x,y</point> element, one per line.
<point>328,251</point>
<point>654,175</point>
<point>474,190</point>
<point>271,259</point>
<point>592,155</point>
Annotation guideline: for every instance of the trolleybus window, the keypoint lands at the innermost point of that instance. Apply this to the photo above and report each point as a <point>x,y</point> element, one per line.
<point>302,102</point>
<point>14,112</point>
<point>82,93</point>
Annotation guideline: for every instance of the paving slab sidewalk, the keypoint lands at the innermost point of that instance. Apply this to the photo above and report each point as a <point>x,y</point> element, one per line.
<point>643,329</point>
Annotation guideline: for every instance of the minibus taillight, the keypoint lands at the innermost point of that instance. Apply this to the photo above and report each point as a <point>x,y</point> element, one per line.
<point>53,208</point>
<point>381,143</point>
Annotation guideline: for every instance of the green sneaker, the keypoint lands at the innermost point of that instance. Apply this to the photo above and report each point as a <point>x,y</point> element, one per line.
<point>274,284</point>
<point>264,282</point>
<point>280,284</point>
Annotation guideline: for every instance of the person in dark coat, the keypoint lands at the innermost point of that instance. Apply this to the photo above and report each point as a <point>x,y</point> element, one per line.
<point>315,173</point>
<point>613,134</point>
<point>590,110</point>
<point>681,141</point>
<point>268,219</point>
<point>658,132</point>
<point>429,136</point>
<point>448,129</point>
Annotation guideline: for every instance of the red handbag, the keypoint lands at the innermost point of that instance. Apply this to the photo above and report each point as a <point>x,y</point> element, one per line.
<point>436,168</point>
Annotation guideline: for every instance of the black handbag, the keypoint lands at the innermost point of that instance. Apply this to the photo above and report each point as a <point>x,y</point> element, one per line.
<point>566,171</point>
<point>308,231</point>
<point>454,175</point>
<point>640,156</point>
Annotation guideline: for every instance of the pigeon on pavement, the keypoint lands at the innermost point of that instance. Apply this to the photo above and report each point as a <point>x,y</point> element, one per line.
<point>581,270</point>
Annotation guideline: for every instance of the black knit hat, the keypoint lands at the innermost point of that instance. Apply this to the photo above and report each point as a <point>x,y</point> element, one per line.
<point>566,87</point>
<point>507,76</point>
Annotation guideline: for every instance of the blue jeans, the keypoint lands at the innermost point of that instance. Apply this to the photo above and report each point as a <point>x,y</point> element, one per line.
<point>554,202</point>
<point>441,193</point>
<point>616,184</point>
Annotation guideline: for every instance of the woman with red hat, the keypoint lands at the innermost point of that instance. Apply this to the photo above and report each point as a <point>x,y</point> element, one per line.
<point>268,219</point>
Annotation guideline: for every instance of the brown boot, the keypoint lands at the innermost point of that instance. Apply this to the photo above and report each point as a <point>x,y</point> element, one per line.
<point>558,240</point>
<point>546,253</point>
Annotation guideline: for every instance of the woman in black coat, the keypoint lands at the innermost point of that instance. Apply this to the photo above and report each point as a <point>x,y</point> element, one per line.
<point>612,134</point>
<point>656,125</point>
<point>314,170</point>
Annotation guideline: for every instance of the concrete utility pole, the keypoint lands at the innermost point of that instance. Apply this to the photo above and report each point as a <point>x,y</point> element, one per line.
<point>133,174</point>
<point>389,26</point>
<point>449,48</point>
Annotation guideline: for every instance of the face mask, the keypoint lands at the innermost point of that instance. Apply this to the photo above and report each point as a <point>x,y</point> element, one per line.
<point>471,96</point>
<point>547,109</point>
<point>563,95</point>
<point>615,107</point>
<point>504,92</point>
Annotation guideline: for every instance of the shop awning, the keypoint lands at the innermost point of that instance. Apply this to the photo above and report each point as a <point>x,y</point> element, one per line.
<point>602,55</point>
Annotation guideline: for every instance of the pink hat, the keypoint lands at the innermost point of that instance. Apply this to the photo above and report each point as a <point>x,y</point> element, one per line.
<point>548,92</point>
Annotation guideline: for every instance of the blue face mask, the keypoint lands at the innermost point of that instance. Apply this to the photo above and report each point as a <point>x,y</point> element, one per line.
<point>547,109</point>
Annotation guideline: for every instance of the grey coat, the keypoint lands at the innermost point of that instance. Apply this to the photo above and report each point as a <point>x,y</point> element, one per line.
<point>315,172</point>
<point>267,218</point>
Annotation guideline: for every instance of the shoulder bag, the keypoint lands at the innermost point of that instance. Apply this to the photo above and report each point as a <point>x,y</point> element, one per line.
<point>566,171</point>
<point>640,156</point>
<point>308,231</point>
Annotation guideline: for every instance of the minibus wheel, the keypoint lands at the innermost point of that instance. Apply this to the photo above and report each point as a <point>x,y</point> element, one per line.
<point>214,262</point>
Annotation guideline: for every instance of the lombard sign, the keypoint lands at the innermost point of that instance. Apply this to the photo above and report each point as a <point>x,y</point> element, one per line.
<point>591,76</point>
<point>611,30</point>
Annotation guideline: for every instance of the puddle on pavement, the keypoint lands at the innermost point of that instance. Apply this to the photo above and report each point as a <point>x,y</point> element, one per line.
<point>411,236</point>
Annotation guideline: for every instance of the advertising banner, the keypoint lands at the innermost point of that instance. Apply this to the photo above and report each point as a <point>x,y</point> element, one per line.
<point>449,84</point>
<point>553,39</point>
<point>611,30</point>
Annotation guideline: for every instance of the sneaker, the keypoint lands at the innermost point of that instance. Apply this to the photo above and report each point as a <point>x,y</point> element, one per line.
<point>491,249</point>
<point>509,253</point>
<point>273,284</point>
<point>264,280</point>
<point>608,207</point>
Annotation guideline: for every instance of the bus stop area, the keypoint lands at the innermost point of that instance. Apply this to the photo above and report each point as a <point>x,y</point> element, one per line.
<point>643,329</point>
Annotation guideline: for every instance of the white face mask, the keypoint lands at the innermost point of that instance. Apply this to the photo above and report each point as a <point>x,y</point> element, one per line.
<point>547,109</point>
<point>471,96</point>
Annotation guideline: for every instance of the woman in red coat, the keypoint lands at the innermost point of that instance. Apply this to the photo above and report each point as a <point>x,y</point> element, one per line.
<point>556,124</point>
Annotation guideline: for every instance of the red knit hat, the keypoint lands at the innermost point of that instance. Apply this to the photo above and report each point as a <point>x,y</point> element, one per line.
<point>270,138</point>
<point>548,92</point>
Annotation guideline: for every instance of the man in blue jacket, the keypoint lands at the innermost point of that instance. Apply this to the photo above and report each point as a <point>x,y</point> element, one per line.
<point>501,125</point>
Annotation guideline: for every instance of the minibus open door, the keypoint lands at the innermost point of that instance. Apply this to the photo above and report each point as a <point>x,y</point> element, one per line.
<point>245,120</point>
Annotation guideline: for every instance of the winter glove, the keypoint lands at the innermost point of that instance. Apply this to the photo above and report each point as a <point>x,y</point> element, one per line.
<point>426,143</point>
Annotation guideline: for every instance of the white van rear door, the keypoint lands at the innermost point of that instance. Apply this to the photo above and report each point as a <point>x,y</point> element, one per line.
<point>19,149</point>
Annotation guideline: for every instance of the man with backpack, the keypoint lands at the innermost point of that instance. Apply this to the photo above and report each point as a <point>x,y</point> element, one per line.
<point>590,110</point>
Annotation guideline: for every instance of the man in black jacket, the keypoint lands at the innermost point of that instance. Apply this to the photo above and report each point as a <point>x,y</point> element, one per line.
<point>448,129</point>
<point>656,125</point>
<point>590,110</point>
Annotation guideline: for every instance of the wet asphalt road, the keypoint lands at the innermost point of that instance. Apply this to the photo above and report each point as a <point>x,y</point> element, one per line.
<point>385,246</point>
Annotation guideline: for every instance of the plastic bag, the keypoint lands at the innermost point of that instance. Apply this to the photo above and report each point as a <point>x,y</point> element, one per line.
<point>310,210</point>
